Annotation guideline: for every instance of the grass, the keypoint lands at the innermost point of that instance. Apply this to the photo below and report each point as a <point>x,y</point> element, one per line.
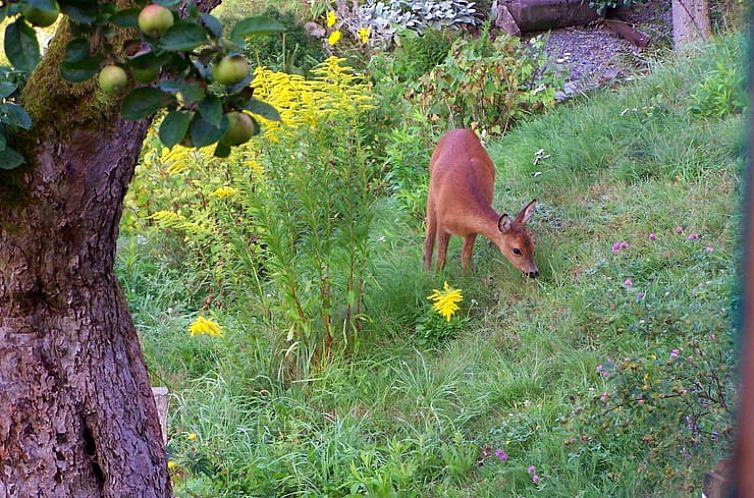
<point>395,419</point>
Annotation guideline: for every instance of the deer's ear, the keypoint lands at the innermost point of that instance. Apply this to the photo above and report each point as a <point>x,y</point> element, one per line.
<point>527,212</point>
<point>504,223</point>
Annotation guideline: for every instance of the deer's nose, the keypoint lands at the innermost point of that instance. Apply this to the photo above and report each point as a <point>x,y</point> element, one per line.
<point>533,274</point>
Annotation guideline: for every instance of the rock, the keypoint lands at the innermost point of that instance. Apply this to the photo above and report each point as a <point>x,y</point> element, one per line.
<point>315,30</point>
<point>504,20</point>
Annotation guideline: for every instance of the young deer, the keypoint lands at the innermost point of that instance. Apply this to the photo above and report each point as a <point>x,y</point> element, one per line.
<point>461,185</point>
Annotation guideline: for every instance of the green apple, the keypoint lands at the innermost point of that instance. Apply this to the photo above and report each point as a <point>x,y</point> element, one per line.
<point>240,129</point>
<point>112,79</point>
<point>231,70</point>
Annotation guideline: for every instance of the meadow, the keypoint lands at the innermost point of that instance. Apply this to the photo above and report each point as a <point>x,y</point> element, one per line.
<point>610,375</point>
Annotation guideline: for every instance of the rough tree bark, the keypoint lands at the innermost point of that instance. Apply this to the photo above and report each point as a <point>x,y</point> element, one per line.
<point>77,415</point>
<point>690,22</point>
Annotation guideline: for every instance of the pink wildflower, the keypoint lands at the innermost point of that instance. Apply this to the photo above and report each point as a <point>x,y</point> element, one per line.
<point>708,249</point>
<point>535,479</point>
<point>652,236</point>
<point>675,353</point>
<point>679,229</point>
<point>503,456</point>
<point>694,236</point>
<point>628,283</point>
<point>603,398</point>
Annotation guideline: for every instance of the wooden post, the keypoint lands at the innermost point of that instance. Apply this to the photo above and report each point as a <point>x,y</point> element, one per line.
<point>743,478</point>
<point>161,400</point>
<point>690,22</point>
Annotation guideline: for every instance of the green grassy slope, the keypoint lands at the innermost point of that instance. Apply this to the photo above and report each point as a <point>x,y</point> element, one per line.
<point>400,420</point>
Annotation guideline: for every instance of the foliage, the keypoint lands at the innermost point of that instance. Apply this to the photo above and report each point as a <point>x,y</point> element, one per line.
<point>407,166</point>
<point>722,91</point>
<point>602,5</point>
<point>383,20</point>
<point>486,85</point>
<point>302,246</point>
<point>105,39</point>
<point>13,117</point>
<point>293,51</point>
<point>433,330</point>
<point>417,54</point>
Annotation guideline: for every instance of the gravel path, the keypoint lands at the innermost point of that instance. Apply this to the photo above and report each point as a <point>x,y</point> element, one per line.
<point>594,55</point>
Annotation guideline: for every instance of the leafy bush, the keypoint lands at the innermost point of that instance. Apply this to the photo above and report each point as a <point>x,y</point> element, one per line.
<point>407,167</point>
<point>722,91</point>
<point>417,54</point>
<point>293,51</point>
<point>256,222</point>
<point>487,85</point>
<point>601,5</point>
<point>384,19</point>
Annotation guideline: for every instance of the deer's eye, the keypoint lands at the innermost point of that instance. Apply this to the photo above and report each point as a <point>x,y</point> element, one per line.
<point>517,251</point>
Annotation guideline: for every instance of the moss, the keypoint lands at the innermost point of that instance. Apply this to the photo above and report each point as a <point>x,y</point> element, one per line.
<point>49,98</point>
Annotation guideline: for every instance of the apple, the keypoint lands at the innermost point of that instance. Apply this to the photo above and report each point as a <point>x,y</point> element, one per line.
<point>240,129</point>
<point>155,19</point>
<point>112,79</point>
<point>231,70</point>
<point>39,17</point>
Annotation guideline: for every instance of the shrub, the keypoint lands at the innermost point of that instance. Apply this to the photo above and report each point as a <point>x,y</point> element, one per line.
<point>293,51</point>
<point>417,54</point>
<point>383,19</point>
<point>257,221</point>
<point>487,85</point>
<point>601,5</point>
<point>722,91</point>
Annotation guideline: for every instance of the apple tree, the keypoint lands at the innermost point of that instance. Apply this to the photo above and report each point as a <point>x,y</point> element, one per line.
<point>77,417</point>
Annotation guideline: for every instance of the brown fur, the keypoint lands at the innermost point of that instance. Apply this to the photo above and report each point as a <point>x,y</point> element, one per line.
<point>461,187</point>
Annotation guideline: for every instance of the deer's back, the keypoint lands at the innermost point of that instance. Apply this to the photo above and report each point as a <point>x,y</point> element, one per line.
<point>461,175</point>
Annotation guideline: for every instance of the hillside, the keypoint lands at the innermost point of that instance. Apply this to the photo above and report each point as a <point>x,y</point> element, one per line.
<point>610,374</point>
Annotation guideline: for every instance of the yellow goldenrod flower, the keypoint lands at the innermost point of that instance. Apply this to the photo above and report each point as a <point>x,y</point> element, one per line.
<point>363,35</point>
<point>255,166</point>
<point>331,19</point>
<point>334,37</point>
<point>203,326</point>
<point>191,436</point>
<point>225,192</point>
<point>172,465</point>
<point>445,302</point>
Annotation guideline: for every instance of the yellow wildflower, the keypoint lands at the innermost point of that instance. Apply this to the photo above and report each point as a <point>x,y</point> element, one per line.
<point>363,35</point>
<point>191,436</point>
<point>225,192</point>
<point>255,166</point>
<point>334,37</point>
<point>202,326</point>
<point>445,302</point>
<point>172,465</point>
<point>331,19</point>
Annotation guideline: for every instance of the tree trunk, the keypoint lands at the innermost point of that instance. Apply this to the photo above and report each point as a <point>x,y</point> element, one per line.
<point>77,415</point>
<point>79,419</point>
<point>690,22</point>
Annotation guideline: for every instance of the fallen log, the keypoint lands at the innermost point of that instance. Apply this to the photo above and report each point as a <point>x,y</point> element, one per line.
<point>540,15</point>
<point>627,32</point>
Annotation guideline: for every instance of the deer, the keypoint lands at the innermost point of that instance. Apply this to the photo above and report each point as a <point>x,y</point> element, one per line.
<point>459,202</point>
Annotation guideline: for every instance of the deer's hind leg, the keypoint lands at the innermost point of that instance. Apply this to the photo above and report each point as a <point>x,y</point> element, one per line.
<point>443,238</point>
